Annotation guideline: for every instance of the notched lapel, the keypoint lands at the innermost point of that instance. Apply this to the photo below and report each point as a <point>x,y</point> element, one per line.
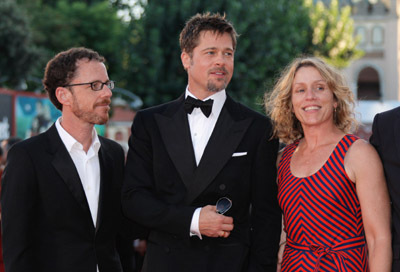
<point>65,167</point>
<point>175,133</point>
<point>223,142</point>
<point>105,162</point>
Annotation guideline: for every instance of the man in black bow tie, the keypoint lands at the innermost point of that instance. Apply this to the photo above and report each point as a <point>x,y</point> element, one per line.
<point>185,155</point>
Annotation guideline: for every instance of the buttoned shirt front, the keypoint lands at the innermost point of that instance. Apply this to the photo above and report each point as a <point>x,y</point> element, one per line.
<point>88,166</point>
<point>201,129</point>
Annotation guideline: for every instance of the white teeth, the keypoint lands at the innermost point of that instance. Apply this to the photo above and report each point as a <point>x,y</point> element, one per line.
<point>311,108</point>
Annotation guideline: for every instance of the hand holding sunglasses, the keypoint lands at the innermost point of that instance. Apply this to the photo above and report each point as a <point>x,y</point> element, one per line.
<point>223,205</point>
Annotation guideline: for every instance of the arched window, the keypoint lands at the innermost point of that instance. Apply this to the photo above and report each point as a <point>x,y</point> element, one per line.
<point>361,32</point>
<point>377,35</point>
<point>368,87</point>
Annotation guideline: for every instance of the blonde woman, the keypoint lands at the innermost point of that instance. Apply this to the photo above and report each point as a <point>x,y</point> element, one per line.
<point>332,190</point>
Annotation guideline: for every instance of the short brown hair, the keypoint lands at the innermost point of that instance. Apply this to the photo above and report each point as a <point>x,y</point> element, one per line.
<point>189,37</point>
<point>61,69</point>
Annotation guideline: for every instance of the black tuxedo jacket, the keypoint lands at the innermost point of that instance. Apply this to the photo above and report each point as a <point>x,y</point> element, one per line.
<point>163,187</point>
<point>46,221</point>
<point>386,139</point>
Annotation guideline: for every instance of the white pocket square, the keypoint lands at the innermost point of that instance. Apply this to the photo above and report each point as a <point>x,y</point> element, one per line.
<point>238,154</point>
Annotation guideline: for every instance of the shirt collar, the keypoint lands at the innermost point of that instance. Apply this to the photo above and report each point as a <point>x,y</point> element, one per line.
<point>218,97</point>
<point>70,142</point>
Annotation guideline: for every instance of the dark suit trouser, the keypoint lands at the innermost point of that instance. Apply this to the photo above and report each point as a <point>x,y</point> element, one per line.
<point>396,258</point>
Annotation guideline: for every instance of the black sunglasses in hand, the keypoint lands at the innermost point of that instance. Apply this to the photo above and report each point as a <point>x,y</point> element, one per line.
<point>223,205</point>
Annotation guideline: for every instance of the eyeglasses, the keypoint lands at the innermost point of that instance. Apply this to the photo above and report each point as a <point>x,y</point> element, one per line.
<point>223,205</point>
<point>96,85</point>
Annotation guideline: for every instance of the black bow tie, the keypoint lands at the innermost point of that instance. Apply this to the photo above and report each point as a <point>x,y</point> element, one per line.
<point>205,106</point>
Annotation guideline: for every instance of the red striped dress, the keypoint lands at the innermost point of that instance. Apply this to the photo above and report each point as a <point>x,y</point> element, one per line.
<point>322,216</point>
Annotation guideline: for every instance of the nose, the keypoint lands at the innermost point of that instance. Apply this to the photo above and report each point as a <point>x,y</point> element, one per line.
<point>310,94</point>
<point>220,60</point>
<point>106,91</point>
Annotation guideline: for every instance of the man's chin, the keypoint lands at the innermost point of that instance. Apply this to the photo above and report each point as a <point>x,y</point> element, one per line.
<point>101,120</point>
<point>216,88</point>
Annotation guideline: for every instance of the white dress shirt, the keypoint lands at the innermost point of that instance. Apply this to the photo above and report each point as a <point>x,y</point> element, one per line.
<point>87,165</point>
<point>201,129</point>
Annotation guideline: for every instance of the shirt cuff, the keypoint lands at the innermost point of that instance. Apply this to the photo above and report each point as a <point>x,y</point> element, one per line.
<point>194,226</point>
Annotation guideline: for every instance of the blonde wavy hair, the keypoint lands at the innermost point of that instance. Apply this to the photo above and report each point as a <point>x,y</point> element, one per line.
<point>278,103</point>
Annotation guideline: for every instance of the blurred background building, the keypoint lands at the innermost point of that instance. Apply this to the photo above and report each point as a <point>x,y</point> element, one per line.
<point>374,78</point>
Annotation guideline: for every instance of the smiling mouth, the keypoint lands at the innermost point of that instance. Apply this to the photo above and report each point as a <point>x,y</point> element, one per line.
<point>310,108</point>
<point>219,72</point>
<point>218,75</point>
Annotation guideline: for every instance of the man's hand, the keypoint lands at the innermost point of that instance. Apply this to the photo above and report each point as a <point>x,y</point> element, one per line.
<point>212,224</point>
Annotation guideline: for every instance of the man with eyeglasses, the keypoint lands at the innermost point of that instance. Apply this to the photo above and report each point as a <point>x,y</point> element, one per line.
<point>61,204</point>
<point>196,166</point>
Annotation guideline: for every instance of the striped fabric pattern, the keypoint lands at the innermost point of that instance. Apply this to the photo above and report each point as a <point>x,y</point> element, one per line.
<point>322,216</point>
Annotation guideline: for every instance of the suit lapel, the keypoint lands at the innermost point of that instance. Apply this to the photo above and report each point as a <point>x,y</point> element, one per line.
<point>228,132</point>
<point>175,132</point>
<point>105,162</point>
<point>64,165</point>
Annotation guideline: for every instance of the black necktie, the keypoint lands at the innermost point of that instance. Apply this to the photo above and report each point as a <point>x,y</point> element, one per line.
<point>205,106</point>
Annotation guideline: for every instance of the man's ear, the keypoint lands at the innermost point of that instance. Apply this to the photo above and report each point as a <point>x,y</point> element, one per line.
<point>185,58</point>
<point>63,95</point>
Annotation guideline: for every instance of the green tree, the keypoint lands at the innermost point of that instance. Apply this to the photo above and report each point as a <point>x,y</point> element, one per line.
<point>332,33</point>
<point>271,33</point>
<point>144,55</point>
<point>17,53</point>
<point>62,24</point>
<point>274,33</point>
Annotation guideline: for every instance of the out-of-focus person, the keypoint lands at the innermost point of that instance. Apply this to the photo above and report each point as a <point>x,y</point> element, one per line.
<point>1,250</point>
<point>332,189</point>
<point>5,146</point>
<point>386,139</point>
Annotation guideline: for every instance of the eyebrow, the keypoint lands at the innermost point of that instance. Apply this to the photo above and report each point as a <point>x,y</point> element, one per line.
<point>317,81</point>
<point>215,48</point>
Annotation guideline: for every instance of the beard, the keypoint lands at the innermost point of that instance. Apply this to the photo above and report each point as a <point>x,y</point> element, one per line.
<point>90,116</point>
<point>219,84</point>
<point>213,87</point>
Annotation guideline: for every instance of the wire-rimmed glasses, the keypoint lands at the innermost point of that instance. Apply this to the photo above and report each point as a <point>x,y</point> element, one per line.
<point>96,85</point>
